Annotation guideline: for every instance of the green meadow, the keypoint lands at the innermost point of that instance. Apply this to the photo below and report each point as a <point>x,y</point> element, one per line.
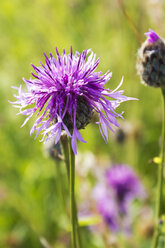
<point>34,198</point>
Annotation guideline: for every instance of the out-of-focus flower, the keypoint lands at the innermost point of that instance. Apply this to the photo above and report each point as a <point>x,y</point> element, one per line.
<point>87,162</point>
<point>125,183</point>
<point>114,195</point>
<point>127,130</point>
<point>65,92</point>
<point>151,60</point>
<point>107,206</point>
<point>53,150</point>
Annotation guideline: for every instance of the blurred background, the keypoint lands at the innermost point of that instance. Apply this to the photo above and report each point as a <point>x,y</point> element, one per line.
<point>31,196</point>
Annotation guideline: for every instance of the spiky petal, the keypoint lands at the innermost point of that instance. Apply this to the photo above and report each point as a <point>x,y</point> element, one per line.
<point>152,36</point>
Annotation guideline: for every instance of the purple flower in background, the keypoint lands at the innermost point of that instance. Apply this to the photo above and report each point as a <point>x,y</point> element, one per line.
<point>65,92</point>
<point>114,195</point>
<point>107,206</point>
<point>125,183</point>
<point>109,211</point>
<point>152,36</point>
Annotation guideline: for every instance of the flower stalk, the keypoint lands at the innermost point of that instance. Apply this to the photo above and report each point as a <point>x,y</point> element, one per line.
<point>70,167</point>
<point>160,179</point>
<point>72,200</point>
<point>65,145</point>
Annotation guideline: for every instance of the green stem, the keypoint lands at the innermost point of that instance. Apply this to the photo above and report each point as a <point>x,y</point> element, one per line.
<point>160,179</point>
<point>65,145</point>
<point>72,199</point>
<point>64,141</point>
<point>77,227</point>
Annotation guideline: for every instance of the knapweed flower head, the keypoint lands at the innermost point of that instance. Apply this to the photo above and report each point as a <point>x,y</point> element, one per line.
<point>64,93</point>
<point>151,60</point>
<point>125,184</point>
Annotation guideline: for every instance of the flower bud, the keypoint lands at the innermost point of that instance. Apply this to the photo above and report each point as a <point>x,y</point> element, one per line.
<point>151,60</point>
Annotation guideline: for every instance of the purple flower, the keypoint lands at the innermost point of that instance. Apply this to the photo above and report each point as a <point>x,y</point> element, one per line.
<point>107,207</point>
<point>114,194</point>
<point>125,183</point>
<point>152,36</point>
<point>65,92</point>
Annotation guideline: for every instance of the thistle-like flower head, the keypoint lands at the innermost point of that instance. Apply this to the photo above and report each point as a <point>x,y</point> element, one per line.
<point>64,93</point>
